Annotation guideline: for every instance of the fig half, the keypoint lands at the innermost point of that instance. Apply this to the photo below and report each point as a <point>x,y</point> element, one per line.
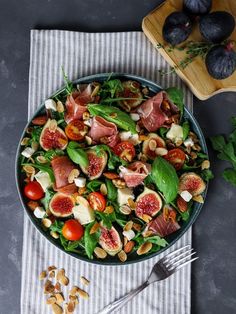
<point>97,163</point>
<point>148,203</point>
<point>177,28</point>
<point>110,241</point>
<point>191,182</point>
<point>61,205</point>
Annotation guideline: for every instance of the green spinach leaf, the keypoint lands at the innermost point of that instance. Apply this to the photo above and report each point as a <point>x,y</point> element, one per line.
<point>94,185</point>
<point>186,128</point>
<point>77,154</point>
<point>90,240</point>
<point>176,95</point>
<point>111,190</point>
<point>156,240</point>
<point>57,226</point>
<point>207,174</point>
<point>229,175</point>
<point>44,168</point>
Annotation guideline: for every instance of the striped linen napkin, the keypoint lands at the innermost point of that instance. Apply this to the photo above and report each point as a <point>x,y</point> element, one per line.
<point>83,54</point>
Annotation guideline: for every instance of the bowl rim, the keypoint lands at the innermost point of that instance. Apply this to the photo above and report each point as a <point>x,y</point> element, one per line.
<point>183,230</point>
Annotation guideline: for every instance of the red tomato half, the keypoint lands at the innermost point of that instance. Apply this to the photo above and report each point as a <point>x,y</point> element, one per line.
<point>33,191</point>
<point>176,157</point>
<point>97,201</point>
<point>125,150</point>
<point>72,230</point>
<point>76,130</point>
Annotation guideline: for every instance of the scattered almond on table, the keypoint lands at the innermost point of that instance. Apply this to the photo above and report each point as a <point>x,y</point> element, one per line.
<point>55,279</point>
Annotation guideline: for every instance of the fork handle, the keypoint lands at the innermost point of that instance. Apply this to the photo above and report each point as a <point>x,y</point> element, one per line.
<point>116,305</point>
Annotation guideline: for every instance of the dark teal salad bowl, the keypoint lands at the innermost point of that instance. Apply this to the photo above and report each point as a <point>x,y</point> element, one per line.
<point>133,257</point>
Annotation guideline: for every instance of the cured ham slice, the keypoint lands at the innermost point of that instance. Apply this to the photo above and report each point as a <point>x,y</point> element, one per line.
<point>135,173</point>
<point>157,112</point>
<point>163,226</point>
<point>104,132</point>
<point>68,189</point>
<point>76,103</point>
<point>62,167</point>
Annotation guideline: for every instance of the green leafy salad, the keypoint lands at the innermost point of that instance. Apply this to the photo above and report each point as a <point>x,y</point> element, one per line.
<point>111,169</point>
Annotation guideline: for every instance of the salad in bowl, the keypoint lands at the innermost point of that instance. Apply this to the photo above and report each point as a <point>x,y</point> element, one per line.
<point>112,168</point>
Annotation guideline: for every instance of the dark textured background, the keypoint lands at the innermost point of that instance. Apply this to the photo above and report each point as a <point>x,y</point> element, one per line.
<point>214,234</point>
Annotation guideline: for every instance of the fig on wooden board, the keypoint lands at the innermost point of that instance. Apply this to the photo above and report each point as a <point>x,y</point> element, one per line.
<point>197,7</point>
<point>61,205</point>
<point>177,28</point>
<point>110,240</point>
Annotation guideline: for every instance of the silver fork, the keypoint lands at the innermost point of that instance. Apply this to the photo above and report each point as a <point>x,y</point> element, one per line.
<point>163,269</point>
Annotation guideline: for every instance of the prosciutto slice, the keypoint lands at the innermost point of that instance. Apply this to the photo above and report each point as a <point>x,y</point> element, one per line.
<point>135,173</point>
<point>62,167</point>
<point>76,103</point>
<point>156,111</point>
<point>162,227</point>
<point>104,132</point>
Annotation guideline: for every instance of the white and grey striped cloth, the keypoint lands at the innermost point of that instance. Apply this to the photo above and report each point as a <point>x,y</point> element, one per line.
<point>82,54</point>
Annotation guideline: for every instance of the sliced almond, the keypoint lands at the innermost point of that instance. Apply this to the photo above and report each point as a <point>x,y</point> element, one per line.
<point>81,191</point>
<point>73,174</point>
<point>160,151</point>
<point>125,241</point>
<point>60,106</point>
<point>88,140</point>
<point>86,115</point>
<point>129,246</point>
<point>83,294</point>
<point>57,309</point>
<point>196,147</point>
<point>118,183</point>
<point>29,169</point>
<point>198,199</point>
<point>71,307</point>
<point>52,125</point>
<point>205,164</point>
<point>128,226</point>
<point>122,256</point>
<point>54,234</point>
<point>103,189</point>
<point>84,281</point>
<point>64,280</point>
<point>137,227</point>
<point>94,228</point>
<point>100,253</point>
<point>109,209</point>
<point>125,209</point>
<point>42,275</point>
<point>152,144</point>
<point>74,298</point>
<point>96,90</point>
<point>143,138</point>
<point>178,142</point>
<point>52,274</point>
<point>144,248</point>
<point>147,233</point>
<point>131,203</point>
<point>73,290</point>
<point>25,141</point>
<point>51,300</point>
<point>46,222</point>
<point>48,287</point>
<point>59,297</point>
<point>146,218</point>
<point>58,286</point>
<point>41,159</point>
<point>60,273</point>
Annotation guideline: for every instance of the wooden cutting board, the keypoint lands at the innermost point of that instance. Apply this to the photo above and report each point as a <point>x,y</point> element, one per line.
<point>195,75</point>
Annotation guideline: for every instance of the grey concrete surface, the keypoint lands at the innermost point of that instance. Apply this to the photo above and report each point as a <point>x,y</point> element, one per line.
<point>214,234</point>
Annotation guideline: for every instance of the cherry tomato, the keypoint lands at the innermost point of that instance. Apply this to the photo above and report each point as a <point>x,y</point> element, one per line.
<point>125,150</point>
<point>176,157</point>
<point>33,191</point>
<point>76,130</point>
<point>72,230</point>
<point>97,201</point>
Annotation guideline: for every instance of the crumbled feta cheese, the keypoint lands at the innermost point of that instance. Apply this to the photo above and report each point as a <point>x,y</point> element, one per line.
<point>135,116</point>
<point>175,133</point>
<point>188,142</point>
<point>83,212</point>
<point>128,136</point>
<point>43,179</point>
<point>28,152</point>
<point>50,104</point>
<point>80,182</point>
<point>129,234</point>
<point>123,195</point>
<point>88,122</point>
<point>39,212</point>
<point>186,196</point>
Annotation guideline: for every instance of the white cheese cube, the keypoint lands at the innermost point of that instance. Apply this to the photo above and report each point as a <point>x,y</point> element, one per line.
<point>123,195</point>
<point>43,179</point>
<point>39,212</point>
<point>50,104</point>
<point>129,234</point>
<point>186,196</point>
<point>135,116</point>
<point>83,212</point>
<point>128,136</point>
<point>28,152</point>
<point>80,182</point>
<point>188,142</point>
<point>175,132</point>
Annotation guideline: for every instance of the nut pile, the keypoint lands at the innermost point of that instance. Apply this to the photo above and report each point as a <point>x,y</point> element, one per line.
<point>54,279</point>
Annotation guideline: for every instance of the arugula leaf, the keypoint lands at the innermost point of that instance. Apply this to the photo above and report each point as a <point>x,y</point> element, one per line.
<point>71,246</point>
<point>44,168</point>
<point>111,87</point>
<point>94,185</point>
<point>90,240</point>
<point>176,95</point>
<point>163,132</point>
<point>207,174</point>
<point>57,226</point>
<point>113,160</point>
<point>233,121</point>
<point>202,155</point>
<point>111,190</point>
<point>107,219</point>
<point>165,177</point>
<point>48,195</point>
<point>186,128</point>
<point>156,240</point>
<point>218,142</point>
<point>228,154</point>
<point>77,154</point>
<point>69,85</point>
<point>50,154</point>
<point>229,175</point>
<point>115,115</point>
<point>35,134</point>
